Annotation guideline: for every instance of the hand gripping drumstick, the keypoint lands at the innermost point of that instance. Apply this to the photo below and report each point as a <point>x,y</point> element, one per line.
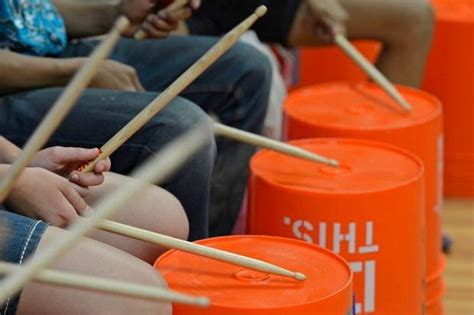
<point>197,249</point>
<point>62,106</point>
<point>80,281</point>
<point>371,70</point>
<point>155,170</point>
<point>270,144</point>
<point>178,4</point>
<point>176,87</point>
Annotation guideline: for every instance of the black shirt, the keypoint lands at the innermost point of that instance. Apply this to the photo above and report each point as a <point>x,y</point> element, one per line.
<point>216,17</point>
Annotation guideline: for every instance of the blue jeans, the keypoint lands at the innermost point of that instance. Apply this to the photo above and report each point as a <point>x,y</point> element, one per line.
<point>19,238</point>
<point>236,89</point>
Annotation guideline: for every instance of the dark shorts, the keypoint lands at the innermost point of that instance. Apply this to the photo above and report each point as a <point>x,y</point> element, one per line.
<point>216,17</point>
<point>19,238</point>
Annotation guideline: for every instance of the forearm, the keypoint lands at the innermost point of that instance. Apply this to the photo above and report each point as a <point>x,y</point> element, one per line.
<point>8,151</point>
<point>89,18</point>
<point>19,72</point>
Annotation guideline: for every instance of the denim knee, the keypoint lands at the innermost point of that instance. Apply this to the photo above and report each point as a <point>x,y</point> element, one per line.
<point>183,116</point>
<point>255,76</point>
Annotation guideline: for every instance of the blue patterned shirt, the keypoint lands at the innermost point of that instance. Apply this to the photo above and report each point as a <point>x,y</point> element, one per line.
<point>31,26</point>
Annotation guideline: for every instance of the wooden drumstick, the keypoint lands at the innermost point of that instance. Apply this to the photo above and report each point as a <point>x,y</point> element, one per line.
<point>178,4</point>
<point>155,170</point>
<point>175,88</point>
<point>197,249</point>
<point>107,285</point>
<point>62,106</point>
<point>371,70</point>
<point>270,144</point>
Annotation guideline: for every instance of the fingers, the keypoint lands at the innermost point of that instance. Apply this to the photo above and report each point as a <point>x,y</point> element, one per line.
<point>156,27</point>
<point>137,84</point>
<point>67,154</point>
<point>64,212</point>
<point>86,179</point>
<point>84,192</point>
<point>195,4</point>
<point>133,80</point>
<point>175,16</point>
<point>76,201</point>
<point>102,166</point>
<point>162,22</point>
<point>330,17</point>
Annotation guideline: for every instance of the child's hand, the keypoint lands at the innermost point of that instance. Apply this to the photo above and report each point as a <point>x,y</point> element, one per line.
<point>41,194</point>
<point>65,161</point>
<point>330,18</point>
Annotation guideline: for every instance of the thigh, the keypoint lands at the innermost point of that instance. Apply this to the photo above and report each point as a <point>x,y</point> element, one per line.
<point>152,209</point>
<point>91,258</point>
<point>160,62</point>
<point>386,18</point>
<point>226,88</point>
<point>382,20</point>
<point>98,115</point>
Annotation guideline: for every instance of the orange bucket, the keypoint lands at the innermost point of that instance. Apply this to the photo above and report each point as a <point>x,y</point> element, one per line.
<point>450,76</point>
<point>362,110</point>
<point>327,64</point>
<point>435,282</point>
<point>369,210</point>
<point>234,290</point>
<point>434,306</point>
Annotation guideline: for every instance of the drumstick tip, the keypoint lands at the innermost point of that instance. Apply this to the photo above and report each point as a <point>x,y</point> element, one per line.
<point>261,11</point>
<point>334,163</point>
<point>202,302</point>
<point>299,276</point>
<point>122,24</point>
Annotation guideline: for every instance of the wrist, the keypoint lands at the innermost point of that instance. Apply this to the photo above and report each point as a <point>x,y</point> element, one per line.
<point>8,151</point>
<point>66,68</point>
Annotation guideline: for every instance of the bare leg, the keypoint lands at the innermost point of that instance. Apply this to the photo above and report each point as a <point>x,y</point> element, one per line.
<point>154,209</point>
<point>96,259</point>
<point>404,27</point>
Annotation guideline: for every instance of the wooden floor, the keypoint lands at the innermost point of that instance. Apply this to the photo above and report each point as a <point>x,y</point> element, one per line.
<point>458,217</point>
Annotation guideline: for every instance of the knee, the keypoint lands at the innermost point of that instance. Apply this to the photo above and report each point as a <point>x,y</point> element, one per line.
<point>183,116</point>
<point>253,65</point>
<point>176,222</point>
<point>423,18</point>
<point>147,275</point>
<point>253,72</point>
<point>415,21</point>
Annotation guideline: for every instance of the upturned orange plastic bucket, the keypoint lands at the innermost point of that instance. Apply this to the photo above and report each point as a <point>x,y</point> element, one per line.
<point>450,76</point>
<point>363,110</point>
<point>329,63</point>
<point>234,290</point>
<point>369,210</point>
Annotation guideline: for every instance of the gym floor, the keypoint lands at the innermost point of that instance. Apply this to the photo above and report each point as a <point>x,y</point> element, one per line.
<point>458,218</point>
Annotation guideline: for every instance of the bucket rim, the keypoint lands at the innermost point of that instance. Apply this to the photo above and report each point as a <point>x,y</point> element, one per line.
<point>348,284</point>
<point>438,272</point>
<point>379,144</point>
<point>437,113</point>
